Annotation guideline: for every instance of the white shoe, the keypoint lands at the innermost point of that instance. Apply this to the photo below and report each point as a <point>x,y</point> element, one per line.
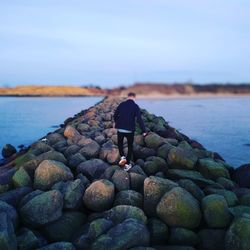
<point>123,161</point>
<point>127,167</point>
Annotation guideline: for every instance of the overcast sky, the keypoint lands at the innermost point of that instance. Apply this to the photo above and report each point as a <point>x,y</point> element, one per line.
<point>112,42</point>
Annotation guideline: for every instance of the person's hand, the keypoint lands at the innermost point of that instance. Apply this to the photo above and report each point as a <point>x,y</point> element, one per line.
<point>144,134</point>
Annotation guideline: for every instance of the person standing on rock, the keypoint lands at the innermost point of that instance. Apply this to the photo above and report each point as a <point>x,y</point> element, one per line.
<point>124,118</point>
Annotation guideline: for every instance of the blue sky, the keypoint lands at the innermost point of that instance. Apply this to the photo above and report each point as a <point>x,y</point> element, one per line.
<point>111,43</point>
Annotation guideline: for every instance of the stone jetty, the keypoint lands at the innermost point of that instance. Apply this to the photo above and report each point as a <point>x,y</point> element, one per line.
<point>67,191</point>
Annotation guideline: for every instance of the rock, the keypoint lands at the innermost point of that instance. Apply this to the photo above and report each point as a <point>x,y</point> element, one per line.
<point>51,155</point>
<point>91,231</point>
<point>72,193</point>
<point>230,197</point>
<point>178,208</point>
<point>53,138</point>
<point>14,196</point>
<point>6,179</point>
<point>154,189</point>
<point>109,132</point>
<point>71,150</point>
<point>195,176</point>
<point>92,169</point>
<point>99,196</point>
<point>138,170</point>
<point>182,158</point>
<point>50,172</point>
<point>90,149</point>
<point>71,132</point>
<point>42,209</point>
<point>129,197</point>
<point>129,233</point>
<point>40,147</point>
<point>8,150</point>
<point>11,213</point>
<point>211,239</point>
<point>83,127</point>
<point>152,140</point>
<point>110,171</point>
<point>21,178</point>
<point>216,212</point>
<point>58,246</point>
<point>242,176</point>
<point>121,180</point>
<point>183,236</point>
<point>158,231</point>
<point>109,152</point>
<point>212,170</point>
<point>122,212</point>
<point>163,150</point>
<point>137,181</point>
<point>238,211</point>
<point>7,234</point>
<point>143,152</point>
<point>173,248</point>
<point>65,227</point>
<point>154,164</point>
<point>226,183</point>
<point>238,235</point>
<point>100,139</point>
<point>28,240</point>
<point>192,188</point>
<point>76,160</point>
<point>245,200</point>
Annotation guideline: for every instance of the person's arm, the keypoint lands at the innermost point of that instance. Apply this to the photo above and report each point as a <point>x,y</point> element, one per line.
<point>139,120</point>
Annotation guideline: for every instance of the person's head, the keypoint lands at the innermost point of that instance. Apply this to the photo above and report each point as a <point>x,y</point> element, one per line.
<point>131,95</point>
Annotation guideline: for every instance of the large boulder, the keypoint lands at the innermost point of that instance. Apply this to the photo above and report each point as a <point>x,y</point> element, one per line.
<point>90,148</point>
<point>242,175</point>
<point>154,164</point>
<point>238,235</point>
<point>178,208</point>
<point>182,158</point>
<point>92,169</point>
<point>65,227</point>
<point>71,132</point>
<point>154,189</point>
<point>10,211</point>
<point>41,209</point>
<point>99,196</point>
<point>49,172</point>
<point>72,193</point>
<point>129,197</point>
<point>7,233</point>
<point>152,140</point>
<point>128,234</point>
<point>121,180</point>
<point>158,231</point>
<point>109,152</point>
<point>216,211</point>
<point>163,150</point>
<point>8,150</point>
<point>212,170</point>
<point>21,178</point>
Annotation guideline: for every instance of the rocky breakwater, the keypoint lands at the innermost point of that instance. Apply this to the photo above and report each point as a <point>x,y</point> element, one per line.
<point>67,192</point>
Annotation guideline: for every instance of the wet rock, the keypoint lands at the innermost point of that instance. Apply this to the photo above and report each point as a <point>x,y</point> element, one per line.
<point>92,169</point>
<point>216,212</point>
<point>49,172</point>
<point>158,231</point>
<point>121,180</point>
<point>129,197</point>
<point>65,227</point>
<point>42,209</point>
<point>154,189</point>
<point>238,235</point>
<point>129,233</point>
<point>7,234</point>
<point>99,196</point>
<point>8,150</point>
<point>178,208</point>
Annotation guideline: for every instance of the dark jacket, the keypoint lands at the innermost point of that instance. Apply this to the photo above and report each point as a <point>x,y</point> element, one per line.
<point>125,115</point>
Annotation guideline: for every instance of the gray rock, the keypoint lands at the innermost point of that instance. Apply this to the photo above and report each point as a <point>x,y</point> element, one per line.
<point>8,150</point>
<point>129,197</point>
<point>121,180</point>
<point>158,231</point>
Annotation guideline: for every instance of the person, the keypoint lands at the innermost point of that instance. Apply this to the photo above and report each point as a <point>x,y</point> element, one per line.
<point>124,118</point>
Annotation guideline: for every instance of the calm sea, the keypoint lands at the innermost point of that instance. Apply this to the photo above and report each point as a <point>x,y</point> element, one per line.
<point>220,124</point>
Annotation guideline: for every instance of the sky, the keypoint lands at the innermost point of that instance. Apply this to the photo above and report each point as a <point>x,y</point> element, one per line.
<point>114,43</point>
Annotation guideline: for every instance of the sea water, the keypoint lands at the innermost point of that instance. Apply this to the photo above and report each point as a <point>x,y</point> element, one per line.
<point>220,124</point>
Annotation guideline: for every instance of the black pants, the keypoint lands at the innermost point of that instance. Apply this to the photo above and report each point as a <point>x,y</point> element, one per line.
<point>130,139</point>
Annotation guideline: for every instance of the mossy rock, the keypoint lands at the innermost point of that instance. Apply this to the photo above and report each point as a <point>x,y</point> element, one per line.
<point>238,235</point>
<point>212,170</point>
<point>154,164</point>
<point>238,211</point>
<point>137,181</point>
<point>245,200</point>
<point>19,161</point>
<point>158,230</point>
<point>129,197</point>
<point>121,180</point>
<point>163,150</point>
<point>226,183</point>
<point>21,178</point>
<point>178,208</point>
<point>216,211</point>
<point>152,140</point>
<point>154,189</point>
